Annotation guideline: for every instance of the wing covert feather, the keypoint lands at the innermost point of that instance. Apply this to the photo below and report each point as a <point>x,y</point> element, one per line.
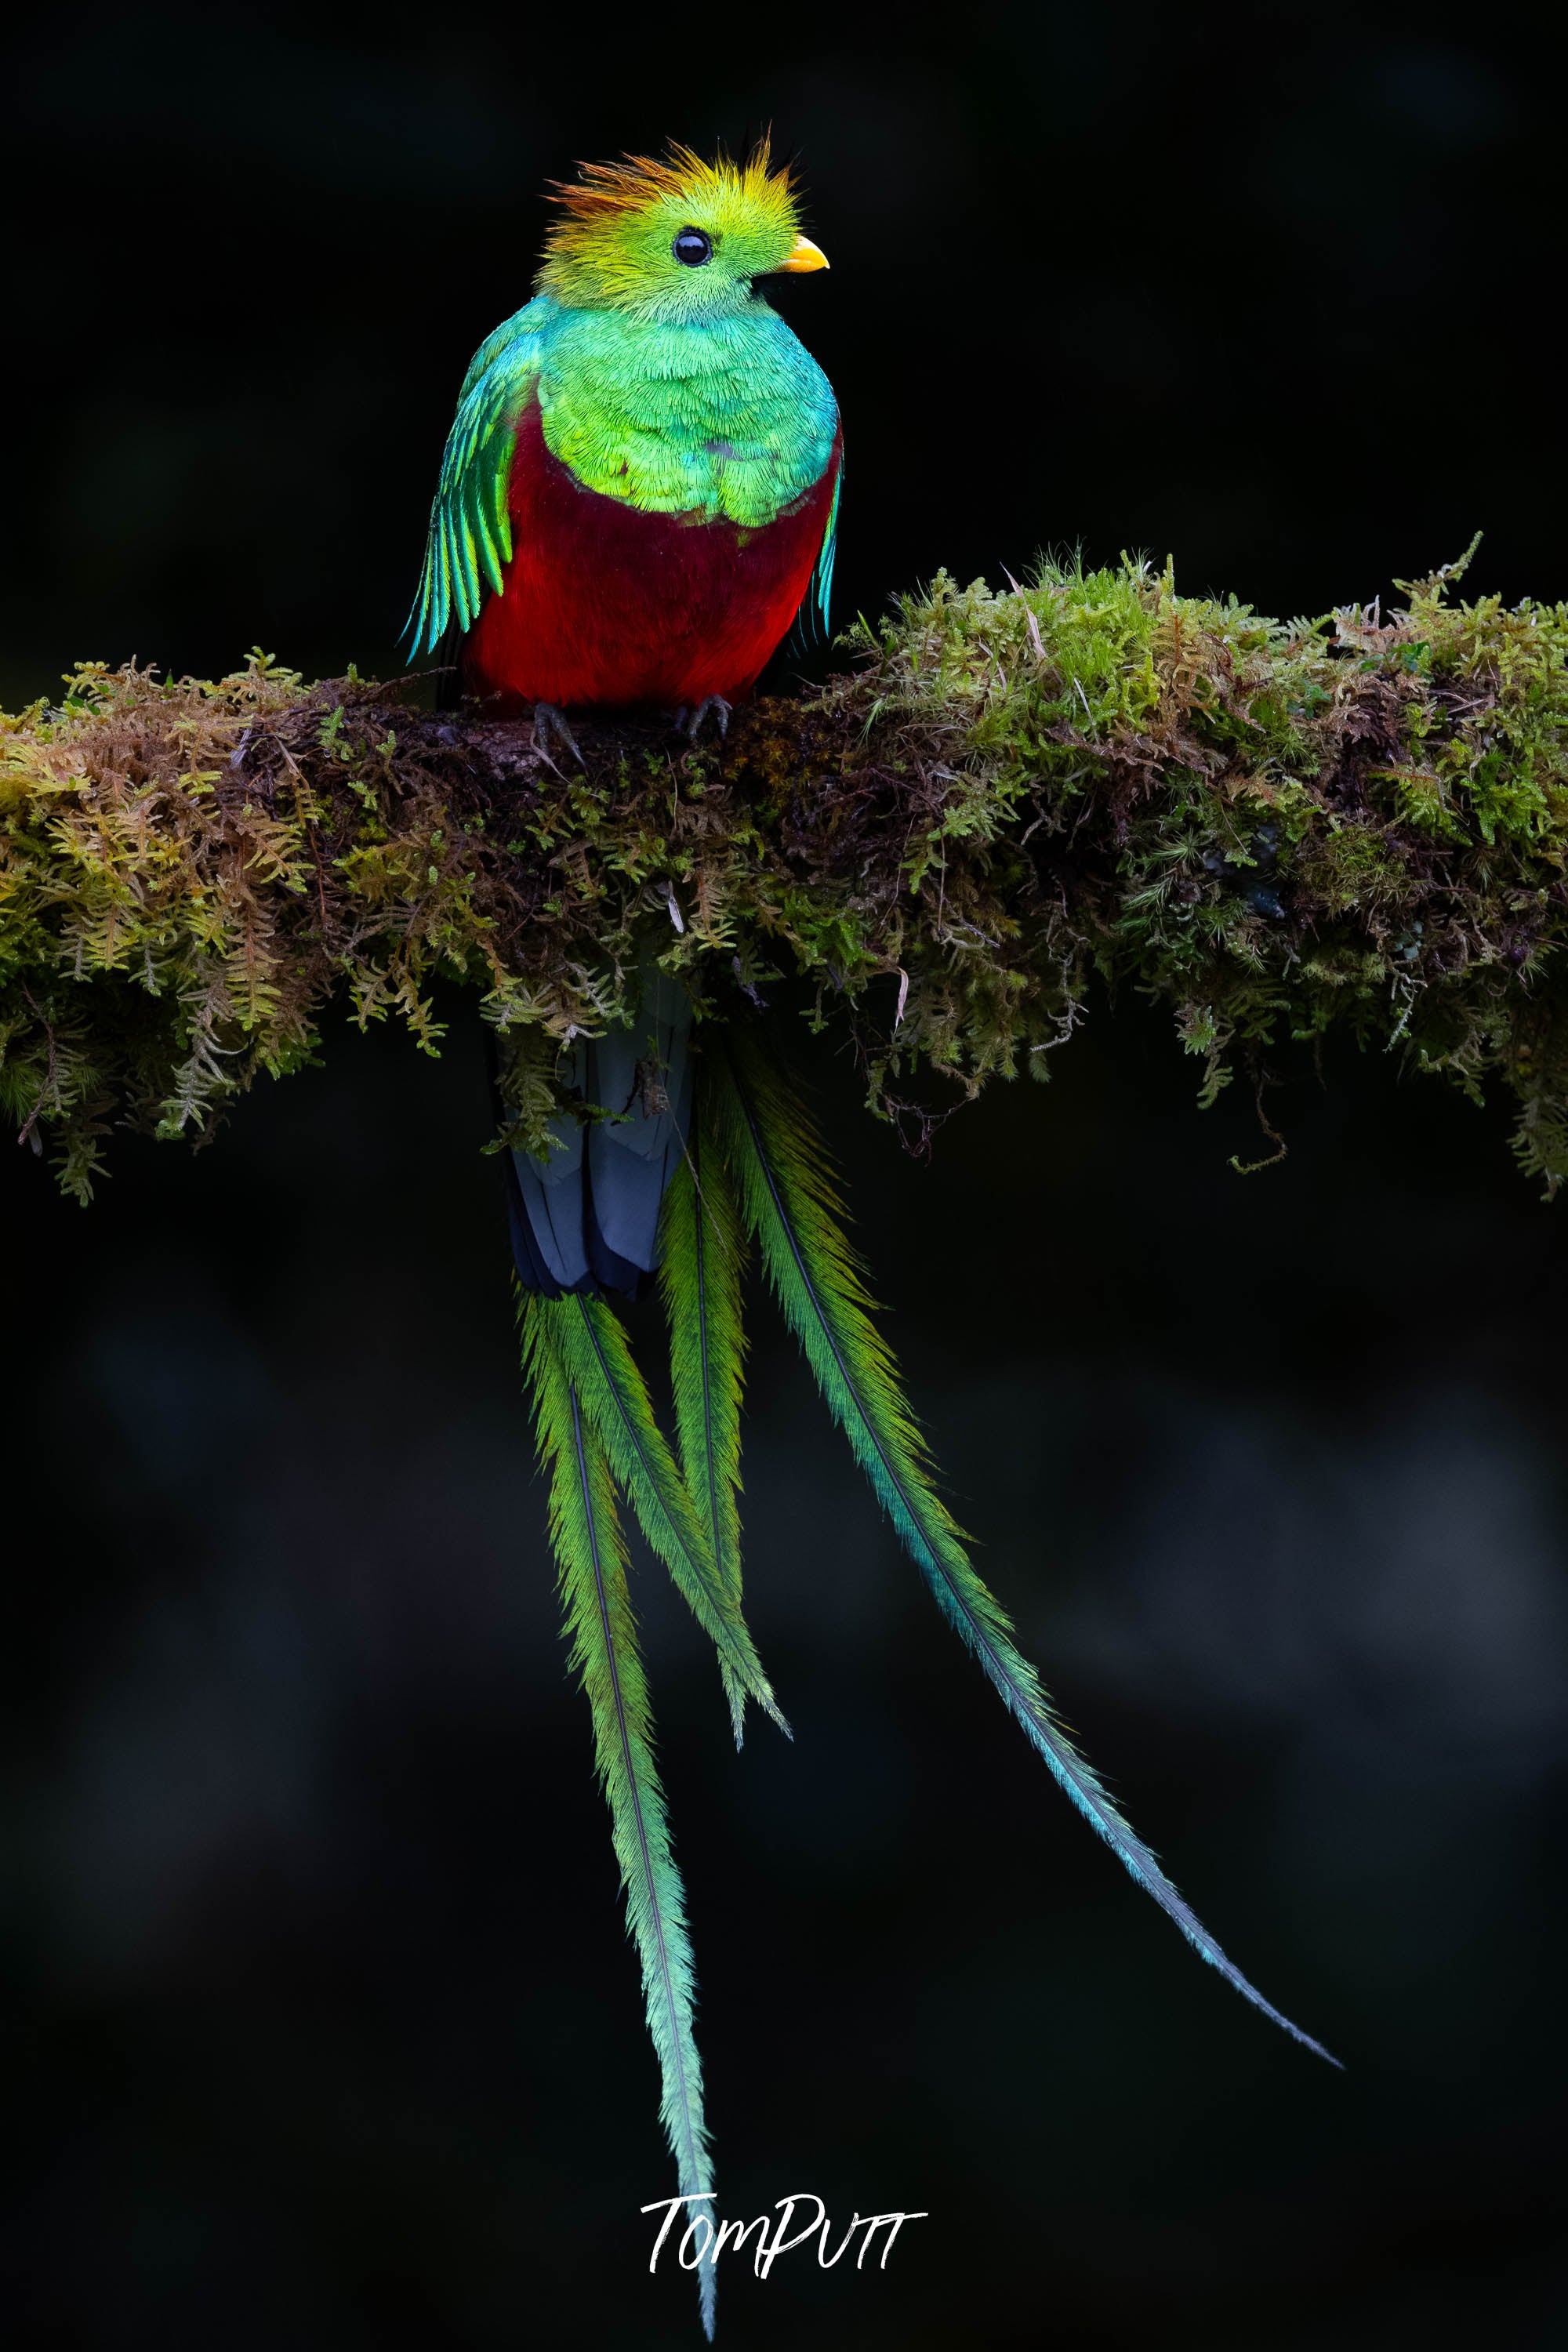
<point>469,541</point>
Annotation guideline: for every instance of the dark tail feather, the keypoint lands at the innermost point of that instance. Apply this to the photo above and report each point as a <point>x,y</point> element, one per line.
<point>587,1218</point>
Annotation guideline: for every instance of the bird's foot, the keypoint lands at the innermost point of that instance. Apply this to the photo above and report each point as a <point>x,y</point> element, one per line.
<point>690,722</point>
<point>548,722</point>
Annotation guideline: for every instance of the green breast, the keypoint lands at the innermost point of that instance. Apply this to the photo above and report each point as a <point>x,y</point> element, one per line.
<point>729,419</point>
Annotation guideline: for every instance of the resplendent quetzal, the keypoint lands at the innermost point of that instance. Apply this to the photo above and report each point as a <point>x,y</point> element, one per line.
<point>638,496</point>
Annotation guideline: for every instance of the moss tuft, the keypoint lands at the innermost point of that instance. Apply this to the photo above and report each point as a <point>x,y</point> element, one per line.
<point>1274,830</point>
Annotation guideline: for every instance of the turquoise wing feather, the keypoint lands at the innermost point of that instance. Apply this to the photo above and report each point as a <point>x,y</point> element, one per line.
<point>469,541</point>
<point>593,1351</point>
<point>702,1254</point>
<point>591,1558</point>
<point>811,622</point>
<point>821,597</point>
<point>790,1204</point>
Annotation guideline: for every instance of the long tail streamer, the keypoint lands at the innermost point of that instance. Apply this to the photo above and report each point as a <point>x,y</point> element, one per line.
<point>756,1166</point>
<point>703,1256</point>
<point>790,1204</point>
<point>591,1343</point>
<point>591,1556</point>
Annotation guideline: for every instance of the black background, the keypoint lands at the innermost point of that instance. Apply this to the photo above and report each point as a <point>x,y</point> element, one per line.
<point>321,2027</point>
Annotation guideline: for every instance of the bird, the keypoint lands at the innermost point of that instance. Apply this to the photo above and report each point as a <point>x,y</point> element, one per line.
<point>640,489</point>
<point>638,496</point>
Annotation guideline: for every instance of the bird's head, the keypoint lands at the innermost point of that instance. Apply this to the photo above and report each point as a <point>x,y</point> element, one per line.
<point>674,240</point>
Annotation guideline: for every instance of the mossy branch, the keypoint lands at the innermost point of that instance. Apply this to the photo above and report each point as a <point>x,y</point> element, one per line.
<point>1273,829</point>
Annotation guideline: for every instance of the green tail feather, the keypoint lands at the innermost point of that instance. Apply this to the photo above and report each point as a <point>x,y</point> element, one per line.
<point>593,1349</point>
<point>789,1200</point>
<point>591,1556</point>
<point>702,1257</point>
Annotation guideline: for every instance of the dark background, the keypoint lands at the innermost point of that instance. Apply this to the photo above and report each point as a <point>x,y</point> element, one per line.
<point>321,2027</point>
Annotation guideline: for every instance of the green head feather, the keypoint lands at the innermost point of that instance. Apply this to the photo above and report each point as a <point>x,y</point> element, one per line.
<point>614,246</point>
<point>669,385</point>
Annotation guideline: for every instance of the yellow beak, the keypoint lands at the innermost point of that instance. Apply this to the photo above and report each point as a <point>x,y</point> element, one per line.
<point>804,254</point>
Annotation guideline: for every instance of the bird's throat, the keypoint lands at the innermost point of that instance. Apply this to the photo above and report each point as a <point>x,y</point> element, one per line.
<point>728,420</point>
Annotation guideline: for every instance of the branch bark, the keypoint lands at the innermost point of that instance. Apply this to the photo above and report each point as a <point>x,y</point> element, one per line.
<point>1357,822</point>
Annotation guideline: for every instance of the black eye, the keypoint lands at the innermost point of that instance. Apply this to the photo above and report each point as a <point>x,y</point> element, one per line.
<point>693,246</point>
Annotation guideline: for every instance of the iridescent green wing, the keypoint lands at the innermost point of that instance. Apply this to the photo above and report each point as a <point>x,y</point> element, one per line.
<point>811,623</point>
<point>821,594</point>
<point>470,529</point>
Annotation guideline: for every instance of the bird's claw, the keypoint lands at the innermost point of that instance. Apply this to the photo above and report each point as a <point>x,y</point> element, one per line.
<point>548,722</point>
<point>690,723</point>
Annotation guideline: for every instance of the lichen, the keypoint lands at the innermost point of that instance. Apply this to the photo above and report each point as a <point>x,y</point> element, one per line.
<point>1349,822</point>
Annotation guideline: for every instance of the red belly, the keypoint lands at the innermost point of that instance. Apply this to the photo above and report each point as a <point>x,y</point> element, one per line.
<point>605,603</point>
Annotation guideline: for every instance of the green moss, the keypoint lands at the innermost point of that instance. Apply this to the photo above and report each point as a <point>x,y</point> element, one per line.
<point>1274,830</point>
